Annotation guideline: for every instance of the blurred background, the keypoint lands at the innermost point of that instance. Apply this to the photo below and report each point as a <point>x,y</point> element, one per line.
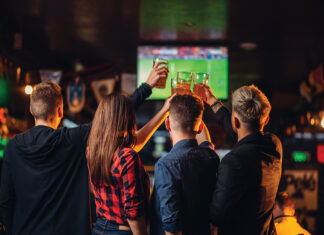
<point>95,47</point>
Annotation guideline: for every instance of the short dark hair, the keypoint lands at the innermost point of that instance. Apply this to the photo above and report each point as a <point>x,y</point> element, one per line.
<point>186,110</point>
<point>44,100</point>
<point>285,201</point>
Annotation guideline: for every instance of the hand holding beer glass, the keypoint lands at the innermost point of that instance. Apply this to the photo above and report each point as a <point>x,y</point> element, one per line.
<point>161,63</point>
<point>200,81</point>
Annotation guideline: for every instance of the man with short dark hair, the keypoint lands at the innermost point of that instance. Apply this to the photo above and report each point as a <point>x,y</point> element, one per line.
<point>284,216</point>
<point>249,175</point>
<point>44,184</point>
<point>186,176</point>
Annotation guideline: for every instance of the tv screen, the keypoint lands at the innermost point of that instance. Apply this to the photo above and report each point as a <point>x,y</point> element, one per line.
<point>212,60</point>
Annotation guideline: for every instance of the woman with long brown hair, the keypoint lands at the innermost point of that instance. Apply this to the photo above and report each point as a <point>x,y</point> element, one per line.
<point>119,181</point>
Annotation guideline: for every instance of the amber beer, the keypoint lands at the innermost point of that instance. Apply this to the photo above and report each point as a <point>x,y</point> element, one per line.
<point>184,82</point>
<point>199,90</point>
<point>184,88</point>
<point>162,82</point>
<point>179,88</point>
<point>200,80</point>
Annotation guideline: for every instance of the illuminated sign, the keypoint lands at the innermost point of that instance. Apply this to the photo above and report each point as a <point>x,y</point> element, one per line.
<point>320,153</point>
<point>300,156</point>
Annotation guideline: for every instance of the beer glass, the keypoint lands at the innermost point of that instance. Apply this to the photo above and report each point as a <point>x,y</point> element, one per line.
<point>162,82</point>
<point>176,89</point>
<point>184,82</point>
<point>200,80</point>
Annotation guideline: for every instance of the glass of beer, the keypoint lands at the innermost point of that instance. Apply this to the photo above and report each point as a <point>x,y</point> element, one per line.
<point>162,82</point>
<point>200,80</point>
<point>184,82</point>
<point>176,89</point>
<point>173,86</point>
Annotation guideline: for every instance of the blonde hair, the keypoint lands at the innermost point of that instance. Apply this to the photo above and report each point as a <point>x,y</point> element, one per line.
<point>251,105</point>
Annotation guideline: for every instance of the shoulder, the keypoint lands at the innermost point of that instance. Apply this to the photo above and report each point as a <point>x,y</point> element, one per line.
<point>274,139</point>
<point>127,152</point>
<point>162,162</point>
<point>205,151</point>
<point>80,130</point>
<point>127,156</point>
<point>17,140</point>
<point>166,162</point>
<point>233,160</point>
<point>77,135</point>
<point>11,145</point>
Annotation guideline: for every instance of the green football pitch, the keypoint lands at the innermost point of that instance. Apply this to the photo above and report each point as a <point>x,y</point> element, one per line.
<point>217,69</point>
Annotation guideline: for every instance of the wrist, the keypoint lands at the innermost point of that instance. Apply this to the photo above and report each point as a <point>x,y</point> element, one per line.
<point>216,105</point>
<point>149,84</point>
<point>212,100</point>
<point>164,110</point>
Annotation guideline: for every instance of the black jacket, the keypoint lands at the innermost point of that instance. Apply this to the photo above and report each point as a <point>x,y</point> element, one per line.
<point>248,180</point>
<point>44,184</point>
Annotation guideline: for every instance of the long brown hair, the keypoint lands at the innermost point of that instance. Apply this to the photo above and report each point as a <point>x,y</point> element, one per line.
<point>112,129</point>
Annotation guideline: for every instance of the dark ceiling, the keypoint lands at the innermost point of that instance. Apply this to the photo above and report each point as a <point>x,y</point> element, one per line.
<point>289,34</point>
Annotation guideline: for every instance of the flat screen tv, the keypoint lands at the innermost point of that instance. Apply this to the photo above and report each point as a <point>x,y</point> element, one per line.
<point>212,60</point>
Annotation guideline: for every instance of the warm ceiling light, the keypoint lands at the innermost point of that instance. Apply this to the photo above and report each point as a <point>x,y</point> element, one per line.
<point>312,121</point>
<point>322,122</point>
<point>28,89</point>
<point>248,46</point>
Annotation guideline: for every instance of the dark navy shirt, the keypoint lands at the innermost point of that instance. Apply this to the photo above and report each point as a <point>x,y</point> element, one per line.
<point>184,181</point>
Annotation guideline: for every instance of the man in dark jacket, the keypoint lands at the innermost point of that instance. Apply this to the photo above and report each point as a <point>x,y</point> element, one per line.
<point>44,184</point>
<point>249,175</point>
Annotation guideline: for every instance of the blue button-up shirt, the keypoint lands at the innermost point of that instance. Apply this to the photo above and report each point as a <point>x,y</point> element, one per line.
<point>184,182</point>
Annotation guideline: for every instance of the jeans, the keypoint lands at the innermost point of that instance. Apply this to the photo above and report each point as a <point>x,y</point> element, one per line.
<point>104,227</point>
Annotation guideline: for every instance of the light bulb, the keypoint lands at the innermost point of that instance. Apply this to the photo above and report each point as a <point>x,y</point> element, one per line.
<point>28,89</point>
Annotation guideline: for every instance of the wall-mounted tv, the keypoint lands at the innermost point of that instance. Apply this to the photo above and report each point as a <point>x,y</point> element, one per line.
<point>212,60</point>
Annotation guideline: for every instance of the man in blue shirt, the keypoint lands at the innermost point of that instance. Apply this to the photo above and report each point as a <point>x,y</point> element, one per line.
<point>186,176</point>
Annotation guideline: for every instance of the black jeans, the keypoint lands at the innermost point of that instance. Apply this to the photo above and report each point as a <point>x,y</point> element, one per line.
<point>104,227</point>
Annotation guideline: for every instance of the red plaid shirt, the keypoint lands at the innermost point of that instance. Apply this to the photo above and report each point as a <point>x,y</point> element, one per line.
<point>128,194</point>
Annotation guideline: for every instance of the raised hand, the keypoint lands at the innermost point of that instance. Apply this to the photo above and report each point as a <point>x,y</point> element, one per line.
<point>157,73</point>
<point>211,99</point>
<point>166,105</point>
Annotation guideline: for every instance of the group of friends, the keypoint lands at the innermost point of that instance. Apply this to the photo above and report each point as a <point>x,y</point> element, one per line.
<point>48,171</point>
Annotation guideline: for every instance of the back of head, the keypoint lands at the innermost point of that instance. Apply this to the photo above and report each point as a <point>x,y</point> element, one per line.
<point>186,112</point>
<point>112,128</point>
<point>285,202</point>
<point>45,99</point>
<point>251,105</point>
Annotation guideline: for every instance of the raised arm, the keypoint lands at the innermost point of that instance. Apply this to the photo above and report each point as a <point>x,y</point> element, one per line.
<point>145,133</point>
<point>145,90</point>
<point>204,136</point>
<point>222,114</point>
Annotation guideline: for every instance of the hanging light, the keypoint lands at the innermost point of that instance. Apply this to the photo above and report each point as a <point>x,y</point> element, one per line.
<point>28,89</point>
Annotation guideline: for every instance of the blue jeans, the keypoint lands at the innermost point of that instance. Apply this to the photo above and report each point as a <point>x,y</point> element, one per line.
<point>104,227</point>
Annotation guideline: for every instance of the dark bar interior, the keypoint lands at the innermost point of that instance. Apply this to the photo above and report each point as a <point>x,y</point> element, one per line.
<point>99,47</point>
